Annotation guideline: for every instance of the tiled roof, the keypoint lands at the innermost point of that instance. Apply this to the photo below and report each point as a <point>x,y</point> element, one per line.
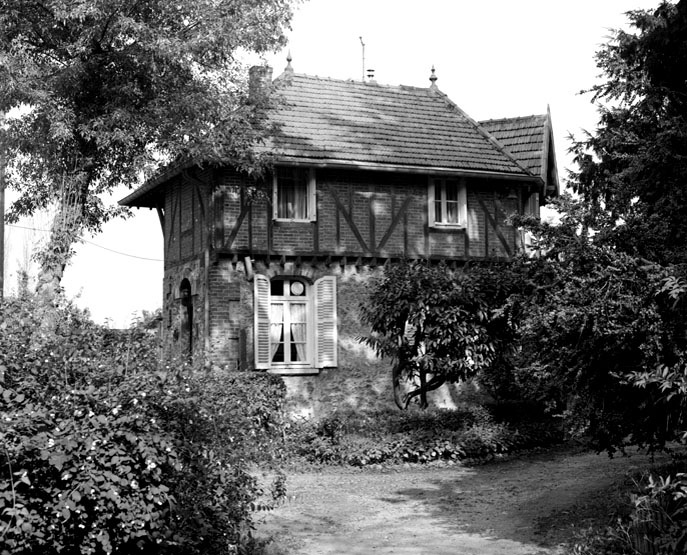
<point>325,121</point>
<point>524,137</point>
<point>330,120</point>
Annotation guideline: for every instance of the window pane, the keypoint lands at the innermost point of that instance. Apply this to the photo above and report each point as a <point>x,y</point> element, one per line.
<point>451,212</point>
<point>277,332</point>
<point>447,201</point>
<point>298,318</point>
<point>292,194</point>
<point>297,289</point>
<point>277,287</point>
<point>452,191</point>
<point>437,211</point>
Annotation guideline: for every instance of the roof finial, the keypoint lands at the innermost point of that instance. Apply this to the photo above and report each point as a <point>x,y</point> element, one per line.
<point>288,67</point>
<point>433,78</point>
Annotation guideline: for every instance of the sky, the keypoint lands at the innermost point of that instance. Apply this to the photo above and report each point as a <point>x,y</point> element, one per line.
<point>493,58</point>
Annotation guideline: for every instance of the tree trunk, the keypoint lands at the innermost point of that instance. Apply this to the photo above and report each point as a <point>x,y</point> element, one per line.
<point>396,384</point>
<point>54,256</point>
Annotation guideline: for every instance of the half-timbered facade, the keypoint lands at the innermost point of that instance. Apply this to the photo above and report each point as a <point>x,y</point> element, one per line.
<point>365,175</point>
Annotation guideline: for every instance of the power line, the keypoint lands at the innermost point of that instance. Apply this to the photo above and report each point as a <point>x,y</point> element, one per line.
<point>89,242</point>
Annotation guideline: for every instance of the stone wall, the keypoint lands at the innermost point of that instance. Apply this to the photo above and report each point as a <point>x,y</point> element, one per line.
<point>177,328</point>
<point>361,381</point>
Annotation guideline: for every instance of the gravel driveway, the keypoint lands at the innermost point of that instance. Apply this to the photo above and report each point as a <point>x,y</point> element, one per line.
<point>525,506</point>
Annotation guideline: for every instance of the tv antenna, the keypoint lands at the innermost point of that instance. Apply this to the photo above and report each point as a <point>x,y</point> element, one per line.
<point>363,45</point>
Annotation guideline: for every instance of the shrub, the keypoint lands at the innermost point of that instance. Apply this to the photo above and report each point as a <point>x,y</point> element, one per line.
<point>414,437</point>
<point>103,451</point>
<point>656,523</point>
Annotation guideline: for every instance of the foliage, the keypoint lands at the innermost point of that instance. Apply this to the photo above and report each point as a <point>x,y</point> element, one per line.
<point>632,167</point>
<point>656,523</point>
<point>437,323</point>
<point>414,437</point>
<point>604,334</point>
<point>596,322</point>
<point>103,90</point>
<point>148,320</point>
<point>103,451</point>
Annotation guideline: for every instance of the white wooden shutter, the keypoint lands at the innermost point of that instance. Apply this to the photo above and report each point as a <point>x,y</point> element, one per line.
<point>463,203</point>
<point>431,211</point>
<point>326,343</point>
<point>261,315</point>
<point>275,195</point>
<point>312,195</point>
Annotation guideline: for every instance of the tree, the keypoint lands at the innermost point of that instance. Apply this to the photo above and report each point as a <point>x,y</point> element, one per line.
<point>439,326</point>
<point>109,89</point>
<point>595,321</point>
<point>632,168</point>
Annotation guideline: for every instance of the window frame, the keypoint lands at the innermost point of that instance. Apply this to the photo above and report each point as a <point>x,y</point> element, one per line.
<point>287,301</point>
<point>437,188</point>
<point>311,192</point>
<point>321,324</point>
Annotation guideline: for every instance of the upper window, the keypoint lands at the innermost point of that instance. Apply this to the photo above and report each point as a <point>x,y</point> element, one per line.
<point>447,202</point>
<point>531,204</point>
<point>293,197</point>
<point>295,324</point>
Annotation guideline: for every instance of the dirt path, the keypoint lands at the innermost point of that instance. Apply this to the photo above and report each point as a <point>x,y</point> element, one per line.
<point>526,506</point>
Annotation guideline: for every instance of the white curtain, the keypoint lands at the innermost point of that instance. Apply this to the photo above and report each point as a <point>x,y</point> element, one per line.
<point>293,198</point>
<point>298,329</point>
<point>276,327</point>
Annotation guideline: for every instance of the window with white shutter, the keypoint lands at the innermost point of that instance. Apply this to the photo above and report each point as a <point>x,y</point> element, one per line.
<point>295,324</point>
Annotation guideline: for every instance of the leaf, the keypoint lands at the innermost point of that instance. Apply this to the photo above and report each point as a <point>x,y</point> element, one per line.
<point>58,459</point>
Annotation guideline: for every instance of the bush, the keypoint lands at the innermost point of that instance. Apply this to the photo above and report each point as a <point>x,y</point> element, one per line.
<point>656,523</point>
<point>414,437</point>
<point>104,451</point>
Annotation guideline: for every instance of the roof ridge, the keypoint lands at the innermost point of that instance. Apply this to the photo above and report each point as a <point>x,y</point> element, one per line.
<point>495,120</point>
<point>350,81</point>
<point>497,144</point>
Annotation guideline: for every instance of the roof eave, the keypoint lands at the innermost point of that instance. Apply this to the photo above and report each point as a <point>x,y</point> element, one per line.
<point>149,186</point>
<point>143,197</point>
<point>402,168</point>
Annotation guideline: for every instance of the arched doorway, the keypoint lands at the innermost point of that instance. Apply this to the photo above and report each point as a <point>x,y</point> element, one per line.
<point>186,313</point>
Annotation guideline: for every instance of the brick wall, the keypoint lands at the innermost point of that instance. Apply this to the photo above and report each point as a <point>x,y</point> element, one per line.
<point>369,214</point>
<point>174,336</point>
<point>359,214</point>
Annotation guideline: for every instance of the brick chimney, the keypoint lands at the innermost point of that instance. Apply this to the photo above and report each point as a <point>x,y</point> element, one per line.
<point>259,81</point>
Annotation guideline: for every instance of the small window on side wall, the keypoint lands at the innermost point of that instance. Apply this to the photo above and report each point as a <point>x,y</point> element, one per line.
<point>448,206</point>
<point>294,194</point>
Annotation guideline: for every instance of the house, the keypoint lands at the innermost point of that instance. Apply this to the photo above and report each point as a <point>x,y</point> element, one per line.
<point>365,175</point>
